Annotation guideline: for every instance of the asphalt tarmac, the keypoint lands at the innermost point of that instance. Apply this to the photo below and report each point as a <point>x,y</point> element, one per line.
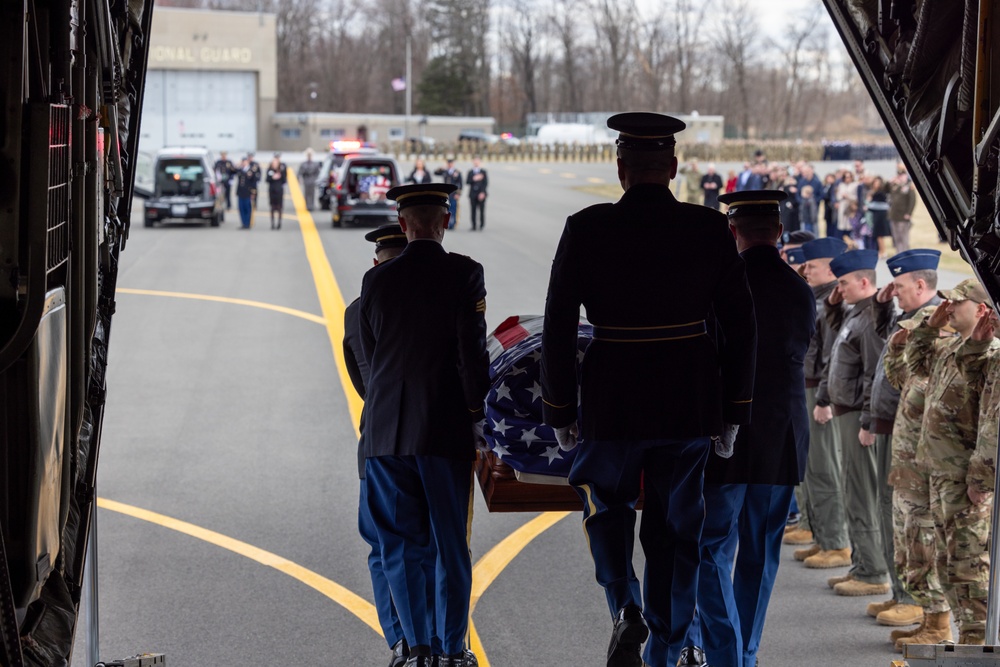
<point>228,475</point>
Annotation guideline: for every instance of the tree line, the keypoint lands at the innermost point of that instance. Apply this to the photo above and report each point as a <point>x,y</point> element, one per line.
<point>509,58</point>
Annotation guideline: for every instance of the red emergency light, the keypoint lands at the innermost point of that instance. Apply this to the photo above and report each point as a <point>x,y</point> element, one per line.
<point>345,145</point>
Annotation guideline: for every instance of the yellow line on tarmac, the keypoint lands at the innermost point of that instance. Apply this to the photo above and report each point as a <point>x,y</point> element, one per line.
<point>330,299</point>
<point>358,606</point>
<point>566,174</point>
<point>223,299</point>
<point>595,179</point>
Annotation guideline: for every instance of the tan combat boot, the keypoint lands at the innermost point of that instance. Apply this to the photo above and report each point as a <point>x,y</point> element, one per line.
<point>854,588</point>
<point>802,554</point>
<point>972,637</point>
<point>833,581</point>
<point>937,629</point>
<point>896,635</point>
<point>829,558</point>
<point>798,536</point>
<point>876,608</point>
<point>901,614</point>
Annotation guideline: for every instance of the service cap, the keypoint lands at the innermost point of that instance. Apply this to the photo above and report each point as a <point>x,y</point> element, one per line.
<point>645,131</point>
<point>428,194</point>
<point>967,290</point>
<point>918,259</point>
<point>387,236</point>
<point>753,202</point>
<point>800,236</point>
<point>854,260</point>
<point>824,248</point>
<point>796,256</point>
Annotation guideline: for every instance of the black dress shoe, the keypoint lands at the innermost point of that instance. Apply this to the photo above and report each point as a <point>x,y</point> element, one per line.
<point>419,661</point>
<point>400,652</point>
<point>466,659</point>
<point>627,638</point>
<point>692,656</point>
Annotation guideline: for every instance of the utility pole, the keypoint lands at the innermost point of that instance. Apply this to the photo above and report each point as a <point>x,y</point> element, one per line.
<point>409,91</point>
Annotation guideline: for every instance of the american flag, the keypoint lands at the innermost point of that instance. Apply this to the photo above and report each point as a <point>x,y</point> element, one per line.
<point>399,84</point>
<point>514,402</point>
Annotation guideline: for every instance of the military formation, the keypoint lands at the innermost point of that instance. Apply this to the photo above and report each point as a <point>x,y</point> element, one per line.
<point>794,370</point>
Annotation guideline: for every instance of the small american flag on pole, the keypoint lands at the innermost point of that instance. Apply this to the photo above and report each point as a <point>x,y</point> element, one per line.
<point>399,84</point>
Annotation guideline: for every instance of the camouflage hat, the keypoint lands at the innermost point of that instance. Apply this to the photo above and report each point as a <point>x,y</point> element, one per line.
<point>967,290</point>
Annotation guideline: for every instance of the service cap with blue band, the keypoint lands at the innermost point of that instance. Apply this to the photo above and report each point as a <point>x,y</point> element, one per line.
<point>645,131</point>
<point>854,260</point>
<point>753,202</point>
<point>795,256</point>
<point>429,194</point>
<point>917,259</point>
<point>824,248</point>
<point>387,236</point>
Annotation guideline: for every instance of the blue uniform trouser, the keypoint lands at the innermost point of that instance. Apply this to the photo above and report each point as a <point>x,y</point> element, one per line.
<point>453,210</point>
<point>246,210</point>
<point>421,508</point>
<point>607,477</point>
<point>732,601</point>
<point>386,610</point>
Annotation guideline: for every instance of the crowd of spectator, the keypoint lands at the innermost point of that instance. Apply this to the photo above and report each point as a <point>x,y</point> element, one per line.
<point>862,208</point>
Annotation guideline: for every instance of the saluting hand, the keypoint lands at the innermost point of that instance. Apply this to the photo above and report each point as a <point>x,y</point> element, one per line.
<point>885,294</point>
<point>836,296</point>
<point>900,337</point>
<point>939,317</point>
<point>986,327</point>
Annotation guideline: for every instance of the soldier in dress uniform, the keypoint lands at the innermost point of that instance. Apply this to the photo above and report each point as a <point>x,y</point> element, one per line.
<point>823,484</point>
<point>478,182</point>
<point>389,242</point>
<point>747,496</point>
<point>451,176</point>
<point>960,511</point>
<point>914,285</point>
<point>650,323</point>
<point>246,192</point>
<point>853,360</point>
<point>257,173</point>
<point>423,421</point>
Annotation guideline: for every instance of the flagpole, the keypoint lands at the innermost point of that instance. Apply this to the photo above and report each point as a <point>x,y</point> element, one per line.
<point>409,92</point>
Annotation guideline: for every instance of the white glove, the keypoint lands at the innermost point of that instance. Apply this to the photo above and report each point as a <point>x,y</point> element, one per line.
<point>479,438</point>
<point>724,443</point>
<point>566,436</point>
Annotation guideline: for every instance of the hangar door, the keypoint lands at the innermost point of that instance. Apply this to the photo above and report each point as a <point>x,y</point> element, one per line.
<point>217,110</point>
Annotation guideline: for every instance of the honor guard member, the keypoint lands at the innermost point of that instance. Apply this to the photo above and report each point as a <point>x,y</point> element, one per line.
<point>258,174</point>
<point>389,242</point>
<point>451,176</point>
<point>655,387</point>
<point>823,483</point>
<point>747,495</point>
<point>914,285</point>
<point>246,192</point>
<point>853,360</point>
<point>948,438</point>
<point>423,332</point>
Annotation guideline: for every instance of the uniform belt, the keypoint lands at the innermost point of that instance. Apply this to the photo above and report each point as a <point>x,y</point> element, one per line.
<point>811,384</point>
<point>666,332</point>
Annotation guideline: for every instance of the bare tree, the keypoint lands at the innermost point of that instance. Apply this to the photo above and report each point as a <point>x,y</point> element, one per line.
<point>800,31</point>
<point>522,41</point>
<point>563,19</point>
<point>736,37</point>
<point>614,22</point>
<point>689,18</point>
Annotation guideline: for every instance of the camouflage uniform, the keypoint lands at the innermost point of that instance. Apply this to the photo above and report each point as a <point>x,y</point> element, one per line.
<point>914,538</point>
<point>947,440</point>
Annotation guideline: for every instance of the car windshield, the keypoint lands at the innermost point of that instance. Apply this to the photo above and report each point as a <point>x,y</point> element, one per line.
<point>180,176</point>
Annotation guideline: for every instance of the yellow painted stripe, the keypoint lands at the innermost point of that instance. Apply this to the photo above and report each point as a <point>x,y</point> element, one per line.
<point>566,174</point>
<point>223,299</point>
<point>595,179</point>
<point>364,610</point>
<point>330,299</point>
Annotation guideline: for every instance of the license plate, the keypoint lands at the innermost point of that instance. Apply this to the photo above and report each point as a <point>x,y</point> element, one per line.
<point>178,210</point>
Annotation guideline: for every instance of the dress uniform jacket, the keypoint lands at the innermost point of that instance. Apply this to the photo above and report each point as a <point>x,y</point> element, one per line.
<point>357,367</point>
<point>423,332</point>
<point>650,267</point>
<point>854,358</point>
<point>772,448</point>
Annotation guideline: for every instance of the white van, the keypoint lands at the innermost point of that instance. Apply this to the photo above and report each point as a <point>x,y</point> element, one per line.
<point>572,133</point>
